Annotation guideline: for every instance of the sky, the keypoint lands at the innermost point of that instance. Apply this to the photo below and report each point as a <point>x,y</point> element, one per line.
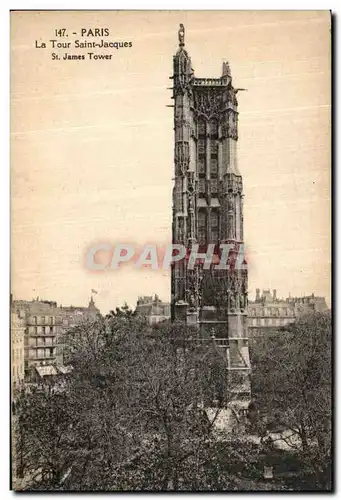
<point>92,147</point>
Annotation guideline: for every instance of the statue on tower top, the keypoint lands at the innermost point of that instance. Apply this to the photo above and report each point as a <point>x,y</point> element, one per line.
<point>181,34</point>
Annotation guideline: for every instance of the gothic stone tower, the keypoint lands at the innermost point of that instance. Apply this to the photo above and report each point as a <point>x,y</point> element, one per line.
<point>208,209</point>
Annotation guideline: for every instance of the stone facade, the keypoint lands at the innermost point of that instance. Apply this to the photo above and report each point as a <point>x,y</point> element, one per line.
<point>153,309</point>
<point>208,209</point>
<point>267,312</point>
<point>17,349</point>
<point>44,323</point>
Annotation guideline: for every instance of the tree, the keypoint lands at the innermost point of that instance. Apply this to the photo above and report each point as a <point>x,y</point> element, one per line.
<point>122,312</point>
<point>292,386</point>
<point>131,413</point>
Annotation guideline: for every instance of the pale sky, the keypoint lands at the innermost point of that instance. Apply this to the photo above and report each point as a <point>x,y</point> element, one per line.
<point>92,147</point>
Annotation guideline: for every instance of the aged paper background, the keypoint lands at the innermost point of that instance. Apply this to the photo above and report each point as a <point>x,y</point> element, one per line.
<point>92,147</point>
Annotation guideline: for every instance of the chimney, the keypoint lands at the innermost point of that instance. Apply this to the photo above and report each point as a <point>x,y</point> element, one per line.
<point>274,295</point>
<point>257,294</point>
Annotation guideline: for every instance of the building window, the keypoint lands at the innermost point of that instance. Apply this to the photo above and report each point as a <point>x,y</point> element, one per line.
<point>201,165</point>
<point>202,186</point>
<point>201,127</point>
<point>202,219</point>
<point>214,128</point>
<point>214,235</point>
<point>201,147</point>
<point>34,320</point>
<point>214,149</point>
<point>178,195</point>
<point>214,186</point>
<point>202,236</point>
<point>201,228</point>
<point>214,220</point>
<point>214,166</point>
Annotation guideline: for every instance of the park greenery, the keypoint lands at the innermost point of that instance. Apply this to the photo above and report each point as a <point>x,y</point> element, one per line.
<point>137,412</point>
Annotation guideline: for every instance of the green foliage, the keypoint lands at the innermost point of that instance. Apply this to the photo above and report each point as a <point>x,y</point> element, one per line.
<point>292,386</point>
<point>131,414</point>
<point>122,312</point>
